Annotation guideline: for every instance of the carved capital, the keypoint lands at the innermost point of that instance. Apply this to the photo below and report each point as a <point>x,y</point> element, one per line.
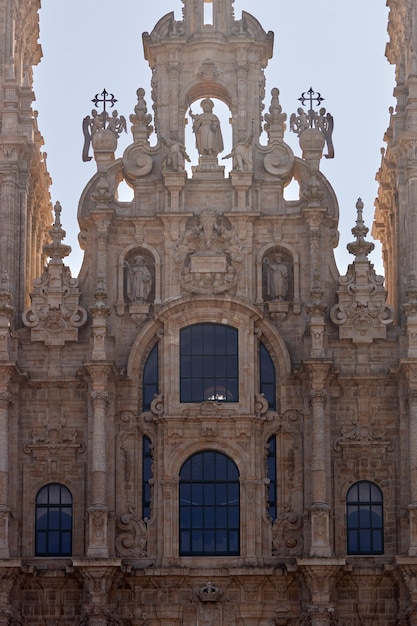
<point>100,398</point>
<point>318,396</point>
<point>6,399</point>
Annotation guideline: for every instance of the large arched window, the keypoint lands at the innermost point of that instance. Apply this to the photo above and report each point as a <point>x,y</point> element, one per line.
<point>53,528</point>
<point>209,363</point>
<point>209,505</point>
<point>267,377</point>
<point>365,519</point>
<point>150,379</point>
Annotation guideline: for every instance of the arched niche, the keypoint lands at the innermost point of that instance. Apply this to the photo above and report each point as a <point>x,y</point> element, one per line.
<point>126,294</point>
<point>291,260</point>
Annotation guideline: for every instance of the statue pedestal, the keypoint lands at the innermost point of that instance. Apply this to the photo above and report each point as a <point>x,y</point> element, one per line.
<point>174,182</point>
<point>208,168</point>
<point>241,183</point>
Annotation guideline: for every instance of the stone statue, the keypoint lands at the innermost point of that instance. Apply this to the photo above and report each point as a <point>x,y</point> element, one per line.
<point>300,122</point>
<point>176,154</point>
<point>324,121</point>
<point>277,277</point>
<point>206,127</point>
<point>242,154</point>
<point>117,124</point>
<point>98,122</point>
<point>139,283</point>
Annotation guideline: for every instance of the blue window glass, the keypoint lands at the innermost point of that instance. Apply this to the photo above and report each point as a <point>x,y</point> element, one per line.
<point>365,519</point>
<point>209,363</point>
<point>209,505</point>
<point>150,381</point>
<point>53,525</point>
<point>272,476</point>
<point>267,376</point>
<point>146,477</point>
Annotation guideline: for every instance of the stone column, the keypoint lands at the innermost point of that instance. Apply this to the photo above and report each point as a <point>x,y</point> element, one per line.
<point>410,369</point>
<point>320,510</point>
<point>8,236</point>
<point>98,510</point>
<point>170,513</point>
<point>5,402</point>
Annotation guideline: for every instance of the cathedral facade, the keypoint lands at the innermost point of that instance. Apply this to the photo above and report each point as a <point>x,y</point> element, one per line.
<point>209,425</point>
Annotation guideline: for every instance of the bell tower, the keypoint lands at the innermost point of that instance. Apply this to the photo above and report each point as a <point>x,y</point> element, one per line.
<point>209,54</point>
<point>24,181</point>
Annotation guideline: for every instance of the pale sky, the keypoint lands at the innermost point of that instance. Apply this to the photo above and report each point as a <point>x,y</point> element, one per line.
<point>333,46</point>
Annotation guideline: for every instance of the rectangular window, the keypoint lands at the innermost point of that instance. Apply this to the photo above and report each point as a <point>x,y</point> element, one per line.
<point>209,363</point>
<point>208,13</point>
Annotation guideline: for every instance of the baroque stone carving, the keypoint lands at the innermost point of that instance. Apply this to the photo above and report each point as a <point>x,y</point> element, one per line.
<point>362,435</point>
<point>209,593</point>
<point>55,314</point>
<point>54,435</point>
<point>208,70</point>
<point>242,154</point>
<point>137,162</point>
<point>102,130</point>
<point>132,537</point>
<point>362,313</point>
<point>141,119</point>
<point>287,535</point>
<point>175,154</point>
<point>275,119</point>
<point>209,255</point>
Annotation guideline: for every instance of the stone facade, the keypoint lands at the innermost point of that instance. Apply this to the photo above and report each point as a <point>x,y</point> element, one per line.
<point>117,395</point>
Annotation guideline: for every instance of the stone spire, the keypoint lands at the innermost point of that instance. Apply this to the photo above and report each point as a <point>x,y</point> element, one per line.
<point>55,314</point>
<point>362,313</point>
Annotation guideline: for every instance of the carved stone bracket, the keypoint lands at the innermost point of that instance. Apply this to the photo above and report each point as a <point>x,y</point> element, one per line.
<point>132,538</point>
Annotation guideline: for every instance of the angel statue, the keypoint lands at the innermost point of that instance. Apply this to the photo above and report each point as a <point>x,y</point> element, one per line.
<point>101,122</point>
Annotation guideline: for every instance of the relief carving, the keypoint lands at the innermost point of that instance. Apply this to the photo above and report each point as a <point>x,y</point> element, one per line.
<point>362,435</point>
<point>209,255</point>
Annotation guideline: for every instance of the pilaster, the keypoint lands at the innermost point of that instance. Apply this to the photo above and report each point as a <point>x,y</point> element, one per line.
<point>320,510</point>
<point>410,370</point>
<point>97,502</point>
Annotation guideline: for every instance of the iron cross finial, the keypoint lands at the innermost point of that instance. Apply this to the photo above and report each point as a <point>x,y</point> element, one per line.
<point>105,100</point>
<point>311,97</point>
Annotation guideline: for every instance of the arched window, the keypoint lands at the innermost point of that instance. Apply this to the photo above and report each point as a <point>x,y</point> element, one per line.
<point>209,363</point>
<point>53,528</point>
<point>365,519</point>
<point>150,383</point>
<point>209,505</point>
<point>267,377</point>
<point>146,477</point>
<point>272,477</point>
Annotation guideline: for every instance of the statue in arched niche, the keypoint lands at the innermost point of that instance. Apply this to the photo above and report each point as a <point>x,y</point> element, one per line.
<point>206,127</point>
<point>139,280</point>
<point>277,277</point>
